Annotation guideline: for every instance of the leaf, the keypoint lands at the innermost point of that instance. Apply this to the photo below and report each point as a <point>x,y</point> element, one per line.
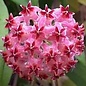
<point>65,81</point>
<point>82,59</point>
<point>78,74</point>
<point>74,5</point>
<point>43,2</point>
<point>20,2</point>
<point>63,2</point>
<point>82,2</point>
<point>5,72</point>
<point>23,82</point>
<point>24,2</point>
<point>34,2</point>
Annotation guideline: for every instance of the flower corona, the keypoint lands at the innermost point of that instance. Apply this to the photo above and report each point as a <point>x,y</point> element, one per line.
<point>42,43</point>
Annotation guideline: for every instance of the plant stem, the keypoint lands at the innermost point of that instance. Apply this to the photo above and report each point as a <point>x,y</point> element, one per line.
<point>15,80</point>
<point>33,82</point>
<point>55,82</point>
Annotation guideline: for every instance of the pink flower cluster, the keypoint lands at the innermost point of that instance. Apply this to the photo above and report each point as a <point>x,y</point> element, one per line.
<point>42,43</point>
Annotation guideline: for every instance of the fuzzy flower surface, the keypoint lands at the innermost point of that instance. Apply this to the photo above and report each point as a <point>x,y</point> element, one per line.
<point>42,43</point>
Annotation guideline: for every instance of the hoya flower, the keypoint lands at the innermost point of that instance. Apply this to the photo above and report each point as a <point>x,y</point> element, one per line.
<point>42,43</point>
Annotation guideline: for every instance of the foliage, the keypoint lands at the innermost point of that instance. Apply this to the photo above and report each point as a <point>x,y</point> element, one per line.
<point>23,2</point>
<point>43,2</point>
<point>82,2</point>
<point>77,75</point>
<point>5,72</point>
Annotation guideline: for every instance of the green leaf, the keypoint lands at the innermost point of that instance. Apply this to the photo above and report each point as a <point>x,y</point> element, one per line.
<point>82,59</point>
<point>23,82</point>
<point>74,5</point>
<point>67,82</point>
<point>25,2</point>
<point>82,2</point>
<point>34,2</point>
<point>78,74</point>
<point>22,2</point>
<point>63,2</point>
<point>5,72</point>
<point>43,2</point>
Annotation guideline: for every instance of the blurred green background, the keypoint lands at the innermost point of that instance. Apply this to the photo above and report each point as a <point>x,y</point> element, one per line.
<point>76,77</point>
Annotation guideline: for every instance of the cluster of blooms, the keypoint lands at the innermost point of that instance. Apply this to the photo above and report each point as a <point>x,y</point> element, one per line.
<point>42,43</point>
